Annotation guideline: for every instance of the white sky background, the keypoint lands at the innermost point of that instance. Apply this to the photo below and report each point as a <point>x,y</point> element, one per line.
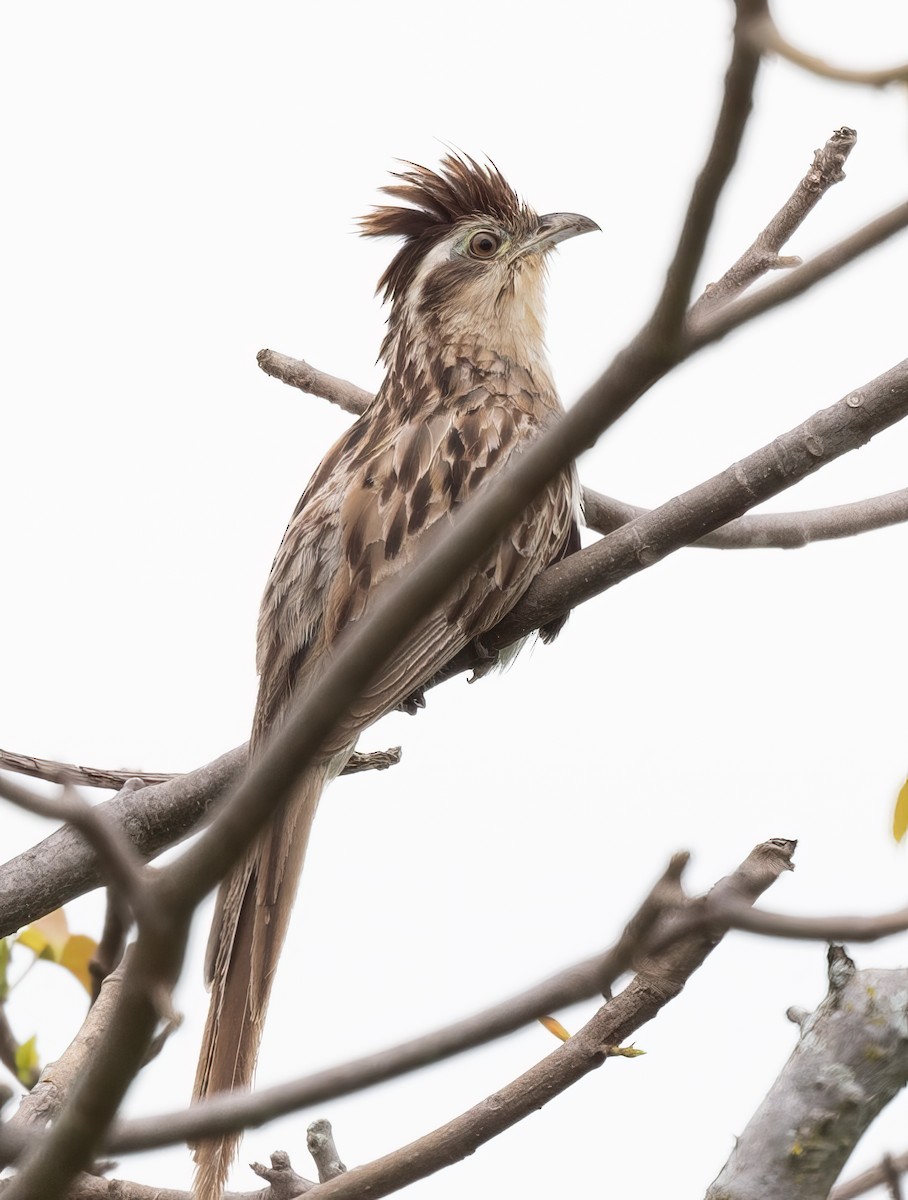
<point>181,183</point>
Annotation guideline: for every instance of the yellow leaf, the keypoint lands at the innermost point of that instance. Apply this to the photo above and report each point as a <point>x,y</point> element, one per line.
<point>47,936</point>
<point>27,1066</point>
<point>900,814</point>
<point>77,954</point>
<point>553,1025</point>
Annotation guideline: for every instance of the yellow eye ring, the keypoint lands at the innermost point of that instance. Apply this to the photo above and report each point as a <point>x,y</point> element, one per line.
<point>484,244</point>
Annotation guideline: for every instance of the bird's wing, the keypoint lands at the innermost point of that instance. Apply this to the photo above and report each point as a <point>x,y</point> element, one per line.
<point>367,516</point>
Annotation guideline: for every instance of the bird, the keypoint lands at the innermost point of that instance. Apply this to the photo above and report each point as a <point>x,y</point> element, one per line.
<point>467,387</point>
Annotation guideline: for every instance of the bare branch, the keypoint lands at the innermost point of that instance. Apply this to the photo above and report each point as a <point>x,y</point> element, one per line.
<point>737,102</point>
<point>763,253</point>
<point>43,1102</point>
<point>46,768</point>
<point>153,818</point>
<point>731,316</point>
<point>348,396</point>
<point>823,929</point>
<point>591,977</point>
<point>299,374</point>
<point>649,991</point>
<point>823,437</point>
<point>283,1181</point>
<point>320,1143</point>
<point>109,951</point>
<point>801,1135</point>
<point>859,1185</point>
<point>117,859</point>
<point>659,979</point>
<point>768,531</point>
<point>764,33</point>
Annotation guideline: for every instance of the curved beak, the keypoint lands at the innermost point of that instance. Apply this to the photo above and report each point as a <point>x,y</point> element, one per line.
<point>557,227</point>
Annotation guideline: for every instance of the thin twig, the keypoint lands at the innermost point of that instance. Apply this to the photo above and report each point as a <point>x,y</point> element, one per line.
<point>732,316</point>
<point>876,1176</point>
<point>764,34</point>
<point>109,950</point>
<point>767,531</point>
<point>101,777</point>
<point>348,396</point>
<point>763,253</point>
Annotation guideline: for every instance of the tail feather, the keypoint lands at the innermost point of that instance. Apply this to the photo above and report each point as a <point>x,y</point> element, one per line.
<point>247,935</point>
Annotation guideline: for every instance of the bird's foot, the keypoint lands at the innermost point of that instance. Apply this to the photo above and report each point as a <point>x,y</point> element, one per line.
<point>488,658</point>
<point>413,702</point>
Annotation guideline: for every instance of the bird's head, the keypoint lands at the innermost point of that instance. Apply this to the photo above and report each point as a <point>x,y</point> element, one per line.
<point>471,270</point>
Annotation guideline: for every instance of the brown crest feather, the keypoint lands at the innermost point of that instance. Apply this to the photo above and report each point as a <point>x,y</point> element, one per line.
<point>461,188</point>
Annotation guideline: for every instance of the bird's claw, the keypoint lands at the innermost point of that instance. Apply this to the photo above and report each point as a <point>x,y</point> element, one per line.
<point>413,702</point>
<point>488,658</point>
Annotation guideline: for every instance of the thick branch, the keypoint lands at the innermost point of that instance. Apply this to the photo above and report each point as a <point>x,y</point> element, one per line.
<point>844,426</point>
<point>118,863</point>
<point>801,1135</point>
<point>154,818</point>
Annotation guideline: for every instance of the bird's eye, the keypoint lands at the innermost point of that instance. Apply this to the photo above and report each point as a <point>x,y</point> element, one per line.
<point>484,244</point>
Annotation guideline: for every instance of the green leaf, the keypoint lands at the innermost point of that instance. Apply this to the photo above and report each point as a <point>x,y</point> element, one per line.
<point>4,963</point>
<point>28,1068</point>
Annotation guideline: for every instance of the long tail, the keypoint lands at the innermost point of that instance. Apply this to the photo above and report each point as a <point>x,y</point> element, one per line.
<point>247,935</point>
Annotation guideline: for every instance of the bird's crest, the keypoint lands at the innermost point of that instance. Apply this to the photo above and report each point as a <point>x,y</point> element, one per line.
<point>437,200</point>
